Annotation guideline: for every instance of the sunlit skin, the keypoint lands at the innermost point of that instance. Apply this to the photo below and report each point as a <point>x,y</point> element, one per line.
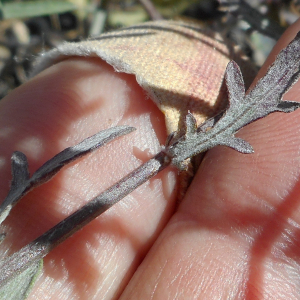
<point>235,235</point>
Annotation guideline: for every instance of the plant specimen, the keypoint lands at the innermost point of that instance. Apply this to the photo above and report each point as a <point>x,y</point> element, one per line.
<point>18,270</point>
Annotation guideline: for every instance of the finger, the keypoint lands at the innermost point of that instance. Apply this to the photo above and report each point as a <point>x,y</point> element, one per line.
<point>60,107</point>
<point>236,234</point>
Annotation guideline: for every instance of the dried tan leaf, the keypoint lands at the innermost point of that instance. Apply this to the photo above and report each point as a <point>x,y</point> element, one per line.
<point>180,65</point>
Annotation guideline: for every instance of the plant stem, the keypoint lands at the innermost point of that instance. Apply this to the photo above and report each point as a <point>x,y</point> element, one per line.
<point>40,247</point>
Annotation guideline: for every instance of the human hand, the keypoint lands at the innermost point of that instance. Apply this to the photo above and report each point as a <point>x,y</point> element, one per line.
<point>235,235</point>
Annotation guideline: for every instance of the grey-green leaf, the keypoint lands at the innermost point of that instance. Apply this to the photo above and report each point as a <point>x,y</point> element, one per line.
<point>236,90</point>
<point>237,144</point>
<point>191,124</point>
<point>263,99</point>
<point>22,184</point>
<point>19,287</point>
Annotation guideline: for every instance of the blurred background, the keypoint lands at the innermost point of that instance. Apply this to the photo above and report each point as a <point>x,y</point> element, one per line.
<point>28,28</point>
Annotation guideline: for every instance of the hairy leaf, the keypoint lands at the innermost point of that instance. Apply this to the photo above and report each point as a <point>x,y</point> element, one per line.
<point>263,99</point>
<point>18,288</point>
<point>22,184</point>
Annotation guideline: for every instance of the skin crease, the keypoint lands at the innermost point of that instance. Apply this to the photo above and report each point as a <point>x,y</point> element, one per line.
<point>234,236</point>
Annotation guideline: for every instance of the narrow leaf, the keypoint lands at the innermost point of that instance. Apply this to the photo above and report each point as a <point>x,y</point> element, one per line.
<point>235,83</point>
<point>19,182</point>
<point>287,106</point>
<point>20,173</point>
<point>11,266</point>
<point>22,184</point>
<point>18,287</point>
<point>266,96</point>
<point>237,144</point>
<point>52,166</point>
<point>263,99</point>
<point>191,124</point>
